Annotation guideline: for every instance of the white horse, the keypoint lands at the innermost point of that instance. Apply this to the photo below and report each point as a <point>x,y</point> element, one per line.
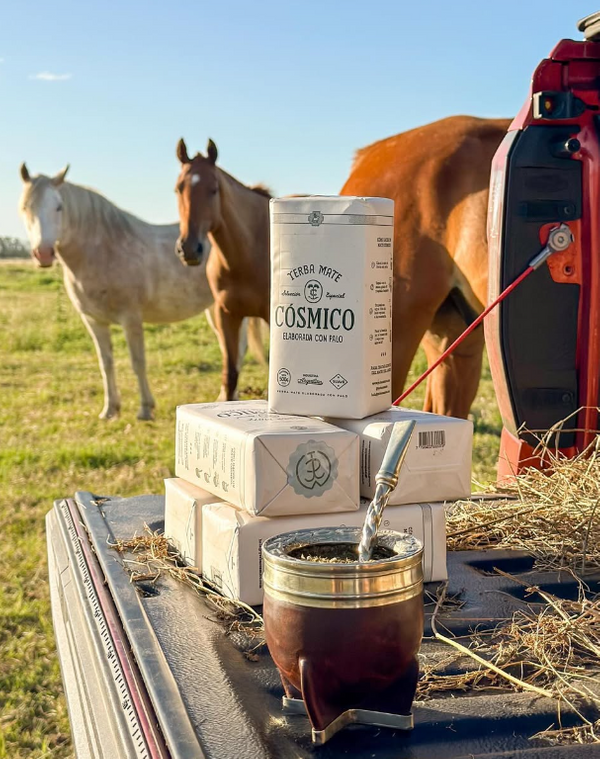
<point>117,269</point>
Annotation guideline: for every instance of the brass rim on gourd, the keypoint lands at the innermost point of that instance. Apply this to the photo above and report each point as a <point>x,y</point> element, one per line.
<point>349,585</point>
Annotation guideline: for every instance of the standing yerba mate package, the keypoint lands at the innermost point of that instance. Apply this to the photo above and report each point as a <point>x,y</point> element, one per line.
<point>331,306</point>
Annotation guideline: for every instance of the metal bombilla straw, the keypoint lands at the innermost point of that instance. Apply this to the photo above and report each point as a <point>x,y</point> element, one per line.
<point>385,482</point>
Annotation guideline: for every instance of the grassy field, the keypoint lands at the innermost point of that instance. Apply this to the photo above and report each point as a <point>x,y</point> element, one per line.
<point>53,444</point>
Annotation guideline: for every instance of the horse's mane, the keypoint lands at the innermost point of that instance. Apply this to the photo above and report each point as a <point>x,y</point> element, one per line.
<point>261,189</point>
<point>87,210</point>
<point>358,154</point>
<point>85,206</point>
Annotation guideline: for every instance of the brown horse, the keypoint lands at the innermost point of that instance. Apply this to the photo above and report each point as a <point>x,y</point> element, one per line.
<point>438,176</point>
<point>236,217</point>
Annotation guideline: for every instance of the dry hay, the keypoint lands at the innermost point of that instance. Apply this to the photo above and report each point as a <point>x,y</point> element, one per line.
<point>553,652</point>
<point>552,649</point>
<point>155,556</point>
<point>554,515</point>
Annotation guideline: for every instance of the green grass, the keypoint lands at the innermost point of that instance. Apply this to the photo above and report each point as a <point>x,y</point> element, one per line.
<point>53,444</point>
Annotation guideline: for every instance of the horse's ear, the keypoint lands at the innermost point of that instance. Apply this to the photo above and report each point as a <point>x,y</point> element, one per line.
<point>182,153</point>
<point>60,177</point>
<point>25,173</point>
<point>212,152</point>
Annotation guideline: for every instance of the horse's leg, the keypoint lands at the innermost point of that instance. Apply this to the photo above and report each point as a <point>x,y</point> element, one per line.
<point>243,345</point>
<point>422,279</point>
<point>242,348</point>
<point>101,336</point>
<point>229,327</point>
<point>210,318</point>
<point>410,323</point>
<point>134,334</point>
<point>452,387</point>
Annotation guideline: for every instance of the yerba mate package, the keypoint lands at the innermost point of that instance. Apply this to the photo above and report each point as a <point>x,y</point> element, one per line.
<point>183,517</point>
<point>437,466</point>
<point>267,463</point>
<point>331,305</point>
<point>232,540</point>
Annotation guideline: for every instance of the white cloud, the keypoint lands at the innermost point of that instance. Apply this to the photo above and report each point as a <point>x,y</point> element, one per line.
<point>1,60</point>
<point>46,76</point>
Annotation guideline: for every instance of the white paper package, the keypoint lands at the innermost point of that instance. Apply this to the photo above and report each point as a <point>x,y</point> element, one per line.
<point>437,466</point>
<point>183,518</point>
<point>232,541</point>
<point>269,464</point>
<point>331,305</point>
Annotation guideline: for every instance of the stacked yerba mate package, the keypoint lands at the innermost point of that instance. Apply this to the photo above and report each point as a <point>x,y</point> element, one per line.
<point>249,470</point>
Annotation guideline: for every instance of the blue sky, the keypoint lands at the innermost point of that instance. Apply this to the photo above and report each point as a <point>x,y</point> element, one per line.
<point>288,90</point>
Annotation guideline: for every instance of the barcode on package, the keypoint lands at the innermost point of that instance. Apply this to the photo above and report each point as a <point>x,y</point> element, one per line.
<point>432,439</point>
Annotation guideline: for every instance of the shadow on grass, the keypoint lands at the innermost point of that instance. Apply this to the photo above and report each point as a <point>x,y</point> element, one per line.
<point>484,427</point>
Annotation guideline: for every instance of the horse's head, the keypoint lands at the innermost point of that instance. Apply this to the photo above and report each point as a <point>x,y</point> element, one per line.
<point>197,191</point>
<point>41,210</point>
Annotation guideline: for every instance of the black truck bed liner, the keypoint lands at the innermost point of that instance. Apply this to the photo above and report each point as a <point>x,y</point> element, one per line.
<point>208,699</point>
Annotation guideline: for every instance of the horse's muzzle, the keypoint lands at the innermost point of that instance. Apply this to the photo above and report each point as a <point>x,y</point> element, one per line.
<point>189,252</point>
<point>45,256</point>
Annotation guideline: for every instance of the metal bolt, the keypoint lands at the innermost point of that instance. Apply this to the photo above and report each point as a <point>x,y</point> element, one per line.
<point>572,145</point>
<point>560,239</point>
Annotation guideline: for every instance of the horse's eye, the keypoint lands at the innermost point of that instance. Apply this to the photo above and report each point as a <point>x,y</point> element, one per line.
<point>59,207</point>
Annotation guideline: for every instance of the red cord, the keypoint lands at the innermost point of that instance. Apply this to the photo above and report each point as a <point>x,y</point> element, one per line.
<point>466,333</point>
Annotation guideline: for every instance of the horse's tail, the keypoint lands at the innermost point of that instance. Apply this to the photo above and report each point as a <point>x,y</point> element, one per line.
<point>256,344</point>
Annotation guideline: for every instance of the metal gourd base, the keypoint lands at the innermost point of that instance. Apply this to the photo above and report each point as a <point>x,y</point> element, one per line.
<point>349,717</point>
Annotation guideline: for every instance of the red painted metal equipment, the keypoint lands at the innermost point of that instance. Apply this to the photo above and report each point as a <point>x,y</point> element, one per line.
<point>544,342</point>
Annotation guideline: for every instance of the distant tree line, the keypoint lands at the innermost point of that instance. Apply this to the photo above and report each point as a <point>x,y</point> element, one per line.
<point>12,247</point>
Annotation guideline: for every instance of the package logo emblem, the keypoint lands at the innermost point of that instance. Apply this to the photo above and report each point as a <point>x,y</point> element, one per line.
<point>315,218</point>
<point>284,377</point>
<point>310,381</point>
<point>338,381</point>
<point>313,291</point>
<point>312,468</point>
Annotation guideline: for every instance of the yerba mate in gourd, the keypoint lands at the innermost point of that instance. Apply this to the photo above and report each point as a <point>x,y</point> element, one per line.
<point>345,636</point>
<point>331,305</point>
